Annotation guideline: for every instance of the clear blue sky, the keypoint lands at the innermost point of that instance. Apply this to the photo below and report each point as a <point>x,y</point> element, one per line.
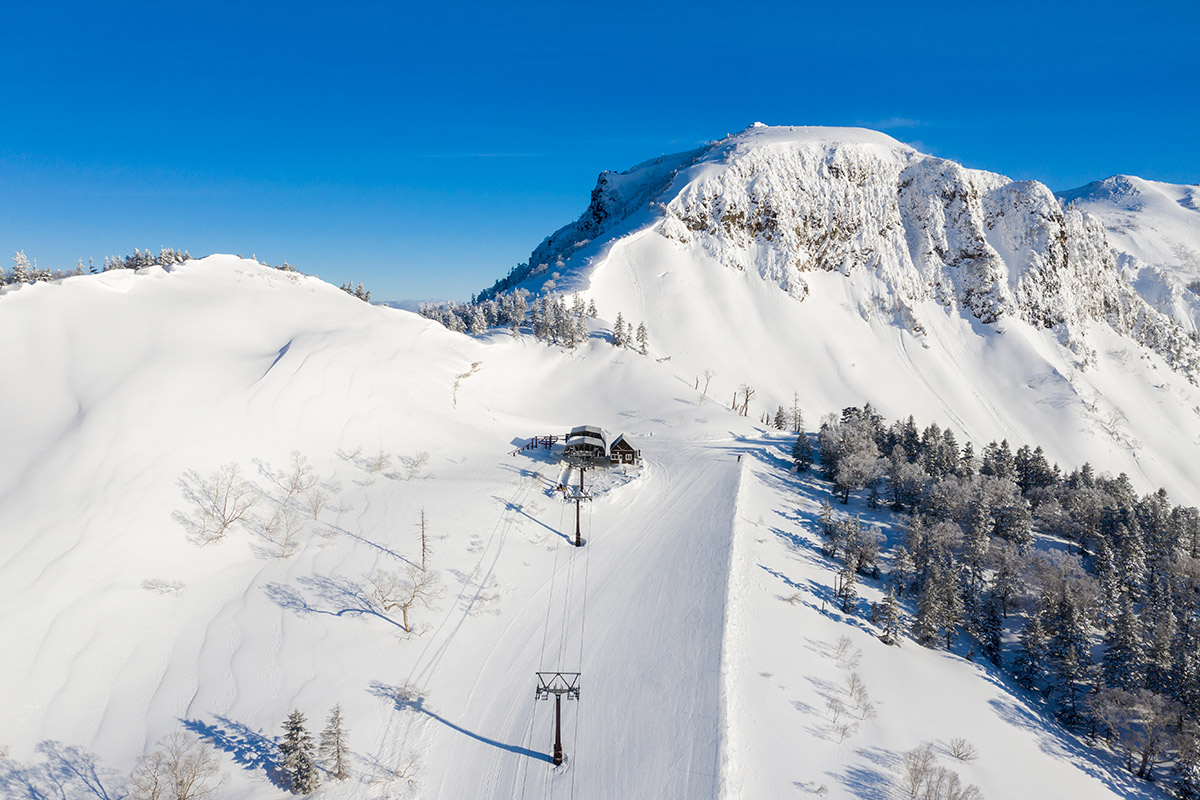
<point>425,149</point>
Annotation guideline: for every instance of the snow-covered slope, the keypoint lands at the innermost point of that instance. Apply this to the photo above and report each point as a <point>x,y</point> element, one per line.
<point>841,266</point>
<point>1154,228</point>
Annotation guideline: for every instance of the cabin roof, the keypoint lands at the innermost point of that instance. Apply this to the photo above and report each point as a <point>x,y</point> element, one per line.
<point>621,441</point>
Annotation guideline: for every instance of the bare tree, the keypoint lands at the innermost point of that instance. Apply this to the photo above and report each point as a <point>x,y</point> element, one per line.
<point>747,393</point>
<point>923,779</point>
<point>300,477</point>
<point>708,376</point>
<point>220,500</point>
<point>379,462</point>
<point>317,499</point>
<point>392,590</point>
<point>414,464</point>
<point>963,750</point>
<point>283,531</point>
<point>424,542</point>
<point>182,768</point>
<point>919,763</point>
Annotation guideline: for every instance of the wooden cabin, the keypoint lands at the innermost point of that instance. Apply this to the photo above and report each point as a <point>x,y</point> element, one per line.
<point>622,452</point>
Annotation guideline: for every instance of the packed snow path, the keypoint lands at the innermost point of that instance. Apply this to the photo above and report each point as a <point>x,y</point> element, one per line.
<point>639,611</point>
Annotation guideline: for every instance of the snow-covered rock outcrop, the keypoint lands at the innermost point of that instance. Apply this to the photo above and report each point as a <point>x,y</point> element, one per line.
<point>788,202</point>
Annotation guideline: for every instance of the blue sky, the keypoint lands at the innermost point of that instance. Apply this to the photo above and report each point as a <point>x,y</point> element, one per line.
<point>424,150</point>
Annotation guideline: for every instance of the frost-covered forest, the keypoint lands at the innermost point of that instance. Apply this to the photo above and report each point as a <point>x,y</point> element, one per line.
<point>1085,591</point>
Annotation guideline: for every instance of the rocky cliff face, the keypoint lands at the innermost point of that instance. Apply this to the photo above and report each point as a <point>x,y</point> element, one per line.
<point>784,202</point>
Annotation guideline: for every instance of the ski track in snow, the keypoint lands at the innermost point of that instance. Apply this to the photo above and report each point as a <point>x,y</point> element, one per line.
<point>648,645</point>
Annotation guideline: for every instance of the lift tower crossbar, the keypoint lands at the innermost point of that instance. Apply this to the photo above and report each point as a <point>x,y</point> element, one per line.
<point>557,684</point>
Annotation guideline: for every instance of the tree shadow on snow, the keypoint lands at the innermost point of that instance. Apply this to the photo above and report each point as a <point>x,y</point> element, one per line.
<point>407,700</point>
<point>518,508</point>
<point>67,772</point>
<point>369,543</point>
<point>864,783</point>
<point>251,749</point>
<point>1055,741</point>
<point>334,596</point>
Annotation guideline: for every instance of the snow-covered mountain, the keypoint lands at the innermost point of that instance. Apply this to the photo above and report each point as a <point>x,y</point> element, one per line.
<point>1154,229</point>
<point>950,287</point>
<point>832,266</point>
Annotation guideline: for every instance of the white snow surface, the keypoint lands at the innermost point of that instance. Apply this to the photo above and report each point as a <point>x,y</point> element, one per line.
<point>1154,228</point>
<point>696,611</point>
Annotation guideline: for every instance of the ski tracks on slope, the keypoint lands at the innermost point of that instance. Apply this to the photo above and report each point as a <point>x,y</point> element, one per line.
<point>392,744</point>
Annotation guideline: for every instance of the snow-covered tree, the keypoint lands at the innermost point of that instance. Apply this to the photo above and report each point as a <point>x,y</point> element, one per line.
<point>939,605</point>
<point>1032,653</point>
<point>297,757</point>
<point>845,589</point>
<point>22,271</point>
<point>989,628</point>
<point>889,618</point>
<point>802,452</point>
<point>1142,721</point>
<point>1124,664</point>
<point>1069,651</point>
<point>333,748</point>
<point>643,339</point>
<point>618,334</point>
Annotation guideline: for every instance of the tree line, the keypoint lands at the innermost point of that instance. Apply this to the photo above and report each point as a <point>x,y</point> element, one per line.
<point>1105,618</point>
<point>547,317</point>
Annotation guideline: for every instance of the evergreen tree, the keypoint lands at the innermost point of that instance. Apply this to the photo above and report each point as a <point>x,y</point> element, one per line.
<point>780,420</point>
<point>903,568</point>
<point>976,545</point>
<point>998,461</point>
<point>846,590</point>
<point>618,335</point>
<point>1124,663</point>
<point>591,309</point>
<point>333,748</point>
<point>1069,648</point>
<point>643,339</point>
<point>989,629</point>
<point>1187,667</point>
<point>1007,583</point>
<point>296,750</point>
<point>966,462</point>
<point>939,605</point>
<point>1032,653</point>
<point>22,271</point>
<point>802,453</point>
<point>1160,640</point>
<point>890,618</point>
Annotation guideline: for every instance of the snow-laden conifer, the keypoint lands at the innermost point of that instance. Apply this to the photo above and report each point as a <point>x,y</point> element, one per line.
<point>333,748</point>
<point>296,750</point>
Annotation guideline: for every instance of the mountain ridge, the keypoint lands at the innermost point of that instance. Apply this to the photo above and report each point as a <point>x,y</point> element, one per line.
<point>787,203</point>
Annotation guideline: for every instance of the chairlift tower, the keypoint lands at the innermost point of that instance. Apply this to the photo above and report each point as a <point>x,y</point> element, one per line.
<point>580,462</point>
<point>557,684</point>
